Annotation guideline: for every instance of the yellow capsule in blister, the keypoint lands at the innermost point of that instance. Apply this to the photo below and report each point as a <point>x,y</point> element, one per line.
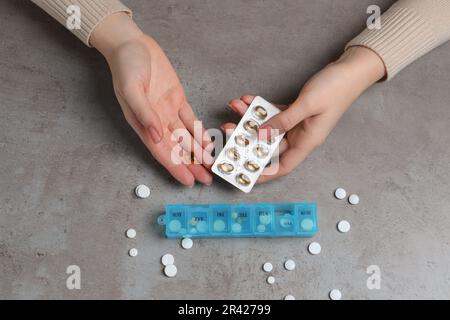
<point>261,151</point>
<point>251,126</point>
<point>243,179</point>
<point>260,112</point>
<point>241,140</point>
<point>226,167</point>
<point>233,154</point>
<point>251,166</point>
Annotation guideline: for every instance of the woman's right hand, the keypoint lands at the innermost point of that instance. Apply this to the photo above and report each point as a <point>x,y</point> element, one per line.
<point>322,101</point>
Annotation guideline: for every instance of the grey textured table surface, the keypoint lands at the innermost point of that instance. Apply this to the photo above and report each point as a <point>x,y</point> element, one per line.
<point>69,162</point>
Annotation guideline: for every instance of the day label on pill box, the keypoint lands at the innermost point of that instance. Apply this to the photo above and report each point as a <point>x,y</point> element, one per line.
<point>244,157</point>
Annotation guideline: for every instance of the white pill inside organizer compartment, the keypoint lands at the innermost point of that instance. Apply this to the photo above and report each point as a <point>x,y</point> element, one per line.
<point>142,191</point>
<point>340,193</point>
<point>343,226</point>
<point>187,243</point>
<point>314,248</point>
<point>289,265</point>
<point>353,199</point>
<point>167,259</point>
<point>270,279</point>
<point>335,294</point>
<point>131,233</point>
<point>170,270</point>
<point>133,252</point>
<point>267,267</point>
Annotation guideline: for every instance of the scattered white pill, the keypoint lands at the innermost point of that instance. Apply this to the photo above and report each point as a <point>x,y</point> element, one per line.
<point>170,270</point>
<point>270,279</point>
<point>142,191</point>
<point>335,294</point>
<point>340,193</point>
<point>343,226</point>
<point>289,265</point>
<point>267,267</point>
<point>314,248</point>
<point>353,199</point>
<point>167,259</point>
<point>133,252</point>
<point>289,297</point>
<point>187,243</point>
<point>131,233</point>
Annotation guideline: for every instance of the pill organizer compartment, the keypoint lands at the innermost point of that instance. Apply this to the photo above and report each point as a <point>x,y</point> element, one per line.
<point>197,220</point>
<point>285,219</point>
<point>263,220</point>
<point>220,223</point>
<point>241,220</point>
<point>175,221</point>
<point>307,218</point>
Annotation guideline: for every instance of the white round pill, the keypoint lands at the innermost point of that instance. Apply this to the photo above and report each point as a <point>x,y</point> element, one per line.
<point>270,279</point>
<point>167,259</point>
<point>289,297</point>
<point>267,267</point>
<point>340,193</point>
<point>343,226</point>
<point>314,248</point>
<point>133,252</point>
<point>187,243</point>
<point>335,294</point>
<point>142,191</point>
<point>131,233</point>
<point>289,265</point>
<point>170,270</point>
<point>353,199</point>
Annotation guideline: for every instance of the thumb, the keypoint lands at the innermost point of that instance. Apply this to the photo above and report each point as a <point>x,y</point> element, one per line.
<point>285,120</point>
<point>147,116</point>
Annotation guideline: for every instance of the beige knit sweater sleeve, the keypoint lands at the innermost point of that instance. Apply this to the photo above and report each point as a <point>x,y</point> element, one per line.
<point>91,13</point>
<point>409,30</point>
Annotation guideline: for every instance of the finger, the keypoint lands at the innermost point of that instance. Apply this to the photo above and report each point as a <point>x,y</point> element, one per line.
<point>228,128</point>
<point>289,160</point>
<point>201,174</point>
<point>190,145</point>
<point>162,152</point>
<point>238,106</point>
<point>248,99</point>
<point>194,126</point>
<point>285,120</point>
<point>284,145</point>
<point>136,99</point>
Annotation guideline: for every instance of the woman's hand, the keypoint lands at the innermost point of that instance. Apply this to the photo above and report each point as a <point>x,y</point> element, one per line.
<point>152,98</point>
<point>319,106</point>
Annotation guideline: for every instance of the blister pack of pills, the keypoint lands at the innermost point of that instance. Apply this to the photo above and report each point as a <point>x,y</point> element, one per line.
<point>244,156</point>
<point>240,220</point>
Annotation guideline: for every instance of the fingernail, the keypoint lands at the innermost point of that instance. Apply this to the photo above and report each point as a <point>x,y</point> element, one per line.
<point>156,137</point>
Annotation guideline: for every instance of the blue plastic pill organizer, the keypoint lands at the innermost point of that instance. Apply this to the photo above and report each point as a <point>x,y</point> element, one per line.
<point>240,220</point>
